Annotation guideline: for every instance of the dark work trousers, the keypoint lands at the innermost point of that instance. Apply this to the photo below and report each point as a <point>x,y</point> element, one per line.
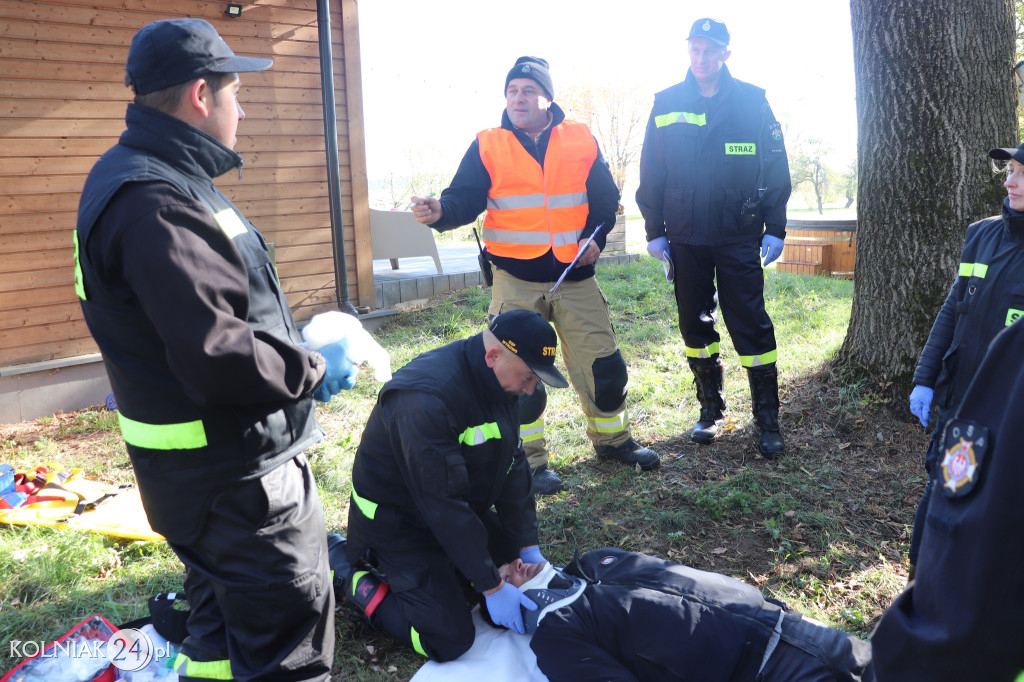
<point>809,652</point>
<point>740,292</point>
<point>258,583</point>
<point>426,607</point>
<point>931,461</point>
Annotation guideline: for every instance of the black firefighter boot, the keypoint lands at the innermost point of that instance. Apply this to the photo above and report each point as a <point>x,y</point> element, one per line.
<point>764,402</point>
<point>355,587</point>
<point>710,383</point>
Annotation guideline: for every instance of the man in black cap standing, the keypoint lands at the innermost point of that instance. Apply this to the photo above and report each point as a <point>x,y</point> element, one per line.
<point>714,182</point>
<point>547,190</point>
<point>441,489</point>
<point>215,394</point>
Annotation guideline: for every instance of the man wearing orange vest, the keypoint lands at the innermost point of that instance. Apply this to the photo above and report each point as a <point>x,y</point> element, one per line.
<point>547,189</point>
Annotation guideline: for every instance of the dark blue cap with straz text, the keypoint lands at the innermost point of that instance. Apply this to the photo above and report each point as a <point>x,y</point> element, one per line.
<point>529,336</point>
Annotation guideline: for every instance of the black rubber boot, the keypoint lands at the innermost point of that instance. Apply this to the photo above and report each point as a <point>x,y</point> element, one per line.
<point>631,453</point>
<point>546,481</point>
<point>709,379</point>
<point>764,402</point>
<point>355,587</point>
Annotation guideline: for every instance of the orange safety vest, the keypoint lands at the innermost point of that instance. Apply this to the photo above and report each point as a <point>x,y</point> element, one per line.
<point>532,209</point>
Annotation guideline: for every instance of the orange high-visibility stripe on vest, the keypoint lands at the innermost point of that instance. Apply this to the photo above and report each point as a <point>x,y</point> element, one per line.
<point>530,209</point>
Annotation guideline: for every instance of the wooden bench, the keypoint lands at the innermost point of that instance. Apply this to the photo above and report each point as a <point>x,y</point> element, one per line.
<point>805,258</point>
<point>820,247</point>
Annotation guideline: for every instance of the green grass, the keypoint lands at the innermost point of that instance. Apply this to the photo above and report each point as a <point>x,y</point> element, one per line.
<point>814,528</point>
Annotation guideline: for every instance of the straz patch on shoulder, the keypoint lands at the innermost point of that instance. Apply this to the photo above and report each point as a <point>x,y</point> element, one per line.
<point>965,444</point>
<point>775,131</point>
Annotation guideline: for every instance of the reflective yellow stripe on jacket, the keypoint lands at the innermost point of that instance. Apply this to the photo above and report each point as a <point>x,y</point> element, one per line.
<point>978,270</point>
<point>478,435</point>
<point>680,117</point>
<point>182,436</point>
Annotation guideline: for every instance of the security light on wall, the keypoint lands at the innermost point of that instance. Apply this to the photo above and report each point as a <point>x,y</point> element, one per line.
<point>234,10</point>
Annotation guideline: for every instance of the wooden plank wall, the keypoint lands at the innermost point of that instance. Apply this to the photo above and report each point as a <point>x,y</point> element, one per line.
<point>62,104</point>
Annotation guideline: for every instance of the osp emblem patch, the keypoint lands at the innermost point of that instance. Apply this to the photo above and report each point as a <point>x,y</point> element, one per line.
<point>605,561</point>
<point>965,444</point>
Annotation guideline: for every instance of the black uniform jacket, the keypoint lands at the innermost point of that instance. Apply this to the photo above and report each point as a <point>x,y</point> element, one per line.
<point>701,161</point>
<point>987,295</point>
<point>652,620</point>
<point>960,620</point>
<point>440,449</point>
<point>466,198</point>
<point>197,337</point>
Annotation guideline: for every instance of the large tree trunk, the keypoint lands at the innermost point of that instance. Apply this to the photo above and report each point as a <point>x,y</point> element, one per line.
<point>935,92</point>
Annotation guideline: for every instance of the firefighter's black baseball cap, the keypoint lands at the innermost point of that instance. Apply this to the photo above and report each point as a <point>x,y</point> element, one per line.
<point>172,51</point>
<point>1007,153</point>
<point>530,337</point>
<point>712,29</point>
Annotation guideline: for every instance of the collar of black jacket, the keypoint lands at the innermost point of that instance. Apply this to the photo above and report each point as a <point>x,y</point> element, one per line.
<point>1014,220</point>
<point>176,142</point>
<point>725,83</point>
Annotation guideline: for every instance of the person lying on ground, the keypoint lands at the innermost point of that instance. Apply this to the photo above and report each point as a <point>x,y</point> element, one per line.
<point>613,615</point>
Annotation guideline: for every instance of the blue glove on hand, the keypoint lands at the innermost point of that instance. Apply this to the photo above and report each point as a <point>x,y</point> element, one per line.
<point>340,374</point>
<point>771,249</point>
<point>657,246</point>
<point>504,605</point>
<point>532,555</point>
<point>921,403</point>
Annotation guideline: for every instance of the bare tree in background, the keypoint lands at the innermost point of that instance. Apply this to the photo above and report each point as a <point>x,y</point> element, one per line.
<point>848,183</point>
<point>420,178</point>
<point>935,92</point>
<point>616,116</point>
<point>809,169</point>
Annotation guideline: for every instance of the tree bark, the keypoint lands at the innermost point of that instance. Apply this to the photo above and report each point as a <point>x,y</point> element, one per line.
<point>935,92</point>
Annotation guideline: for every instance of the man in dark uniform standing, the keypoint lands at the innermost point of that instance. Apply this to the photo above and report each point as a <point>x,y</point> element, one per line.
<point>441,488</point>
<point>215,394</point>
<point>714,182</point>
<point>959,619</point>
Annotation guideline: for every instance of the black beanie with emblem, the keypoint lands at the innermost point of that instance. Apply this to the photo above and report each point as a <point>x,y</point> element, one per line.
<point>536,69</point>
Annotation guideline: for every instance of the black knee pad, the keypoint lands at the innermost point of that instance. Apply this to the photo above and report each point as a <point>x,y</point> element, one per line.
<point>609,381</point>
<point>531,407</point>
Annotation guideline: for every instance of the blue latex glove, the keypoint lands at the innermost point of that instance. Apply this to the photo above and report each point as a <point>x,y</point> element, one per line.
<point>771,249</point>
<point>504,605</point>
<point>921,403</point>
<point>657,246</point>
<point>532,555</point>
<point>340,374</point>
